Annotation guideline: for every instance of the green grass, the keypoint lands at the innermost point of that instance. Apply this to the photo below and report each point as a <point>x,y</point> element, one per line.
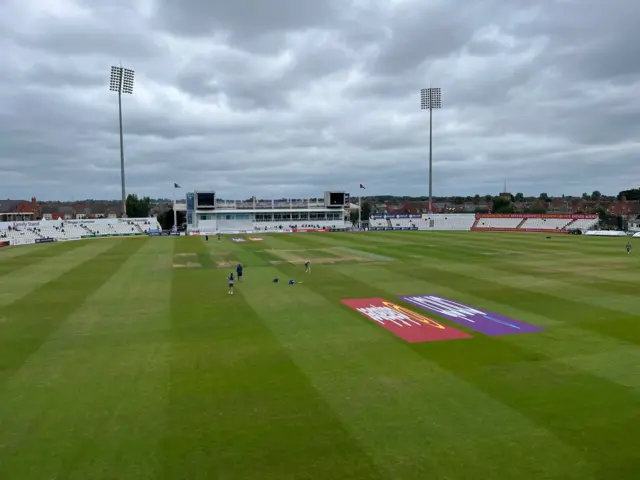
<point>127,359</point>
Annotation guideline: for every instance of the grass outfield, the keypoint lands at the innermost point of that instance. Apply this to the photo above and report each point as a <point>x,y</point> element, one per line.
<point>127,359</point>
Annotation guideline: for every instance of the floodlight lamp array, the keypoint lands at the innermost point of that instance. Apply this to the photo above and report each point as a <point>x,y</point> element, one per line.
<point>121,80</point>
<point>430,98</point>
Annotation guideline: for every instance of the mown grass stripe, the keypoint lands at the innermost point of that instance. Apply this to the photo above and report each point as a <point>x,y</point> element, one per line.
<point>32,254</point>
<point>98,382</point>
<point>439,424</point>
<point>238,406</point>
<point>29,322</point>
<point>25,280</point>
<point>606,321</point>
<point>555,396</point>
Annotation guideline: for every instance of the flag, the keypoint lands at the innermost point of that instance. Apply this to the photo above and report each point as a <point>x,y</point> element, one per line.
<point>362,186</point>
<point>175,185</point>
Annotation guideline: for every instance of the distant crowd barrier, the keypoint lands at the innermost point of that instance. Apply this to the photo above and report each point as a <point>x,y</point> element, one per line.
<point>22,241</point>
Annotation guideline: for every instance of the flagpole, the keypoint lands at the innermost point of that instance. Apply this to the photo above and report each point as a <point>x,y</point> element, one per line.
<point>175,214</point>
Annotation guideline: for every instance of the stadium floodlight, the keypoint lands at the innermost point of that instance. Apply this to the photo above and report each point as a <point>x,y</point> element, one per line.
<point>430,98</point>
<point>121,82</point>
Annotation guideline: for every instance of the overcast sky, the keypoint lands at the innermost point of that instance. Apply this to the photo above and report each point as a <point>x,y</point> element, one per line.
<point>293,97</point>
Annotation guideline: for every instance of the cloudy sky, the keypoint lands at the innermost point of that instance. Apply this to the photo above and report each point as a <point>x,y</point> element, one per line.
<point>293,97</point>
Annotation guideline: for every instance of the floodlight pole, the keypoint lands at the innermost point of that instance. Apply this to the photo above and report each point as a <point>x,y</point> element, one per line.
<point>121,82</point>
<point>124,199</point>
<point>430,156</point>
<point>430,98</point>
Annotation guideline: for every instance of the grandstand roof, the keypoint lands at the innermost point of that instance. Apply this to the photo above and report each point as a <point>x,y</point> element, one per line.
<point>9,205</point>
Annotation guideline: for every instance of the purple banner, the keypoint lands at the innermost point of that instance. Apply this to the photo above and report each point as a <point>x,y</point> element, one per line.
<point>488,323</point>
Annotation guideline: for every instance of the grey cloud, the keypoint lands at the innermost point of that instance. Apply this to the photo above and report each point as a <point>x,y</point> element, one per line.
<point>427,31</point>
<point>249,82</point>
<point>242,18</point>
<point>296,97</point>
<point>112,32</point>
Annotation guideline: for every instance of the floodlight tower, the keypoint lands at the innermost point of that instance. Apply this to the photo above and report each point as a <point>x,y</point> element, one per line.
<point>430,98</point>
<point>121,82</point>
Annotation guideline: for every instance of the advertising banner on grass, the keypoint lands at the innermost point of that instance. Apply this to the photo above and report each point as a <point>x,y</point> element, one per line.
<point>45,240</point>
<point>402,322</point>
<point>492,324</point>
<point>5,243</point>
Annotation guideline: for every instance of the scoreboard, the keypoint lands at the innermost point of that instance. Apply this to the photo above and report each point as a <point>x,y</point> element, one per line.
<point>335,199</point>
<point>205,200</point>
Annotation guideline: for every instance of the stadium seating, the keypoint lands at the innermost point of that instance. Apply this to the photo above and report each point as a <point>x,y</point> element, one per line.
<point>534,223</point>
<point>63,231</point>
<point>21,234</point>
<point>499,222</point>
<point>447,222</point>
<point>545,223</point>
<point>514,222</point>
<point>378,222</point>
<point>583,224</point>
<point>36,231</point>
<point>112,228</point>
<point>279,226</point>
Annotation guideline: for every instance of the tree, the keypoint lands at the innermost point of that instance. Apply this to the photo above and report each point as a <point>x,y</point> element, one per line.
<point>585,196</point>
<point>476,199</point>
<point>366,210</point>
<point>602,214</point>
<point>631,195</point>
<point>538,207</point>
<point>502,205</point>
<point>519,197</point>
<point>165,219</point>
<point>544,197</point>
<point>596,195</point>
<point>137,207</point>
<point>366,213</point>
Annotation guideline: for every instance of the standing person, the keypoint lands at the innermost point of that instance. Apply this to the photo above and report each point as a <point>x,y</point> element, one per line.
<point>219,236</point>
<point>206,237</point>
<point>628,248</point>
<point>307,267</point>
<point>239,272</point>
<point>231,282</point>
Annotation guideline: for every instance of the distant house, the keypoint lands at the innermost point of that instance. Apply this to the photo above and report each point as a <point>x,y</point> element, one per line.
<point>18,210</point>
<point>626,210</point>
